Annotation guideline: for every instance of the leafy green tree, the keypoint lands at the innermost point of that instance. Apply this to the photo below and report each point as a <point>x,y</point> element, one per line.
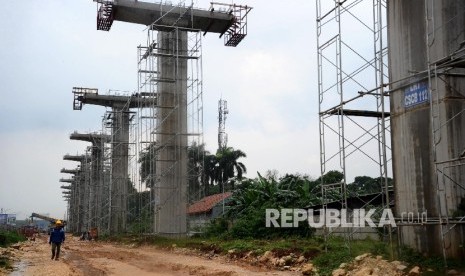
<point>252,197</point>
<point>201,168</point>
<point>196,154</point>
<point>331,177</point>
<point>305,188</point>
<point>361,185</point>
<point>364,185</point>
<point>139,215</point>
<point>229,166</point>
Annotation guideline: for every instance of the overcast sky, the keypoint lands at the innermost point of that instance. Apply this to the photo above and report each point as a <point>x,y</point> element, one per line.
<point>49,46</point>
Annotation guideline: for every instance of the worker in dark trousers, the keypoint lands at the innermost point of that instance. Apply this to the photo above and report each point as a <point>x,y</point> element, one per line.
<point>57,237</point>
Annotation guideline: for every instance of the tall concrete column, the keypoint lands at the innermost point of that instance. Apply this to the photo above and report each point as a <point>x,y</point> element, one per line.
<point>72,199</point>
<point>84,197</point>
<point>415,148</point>
<point>96,184</point>
<point>171,163</point>
<point>74,208</point>
<point>96,173</point>
<point>82,191</point>
<point>119,169</point>
<point>118,186</point>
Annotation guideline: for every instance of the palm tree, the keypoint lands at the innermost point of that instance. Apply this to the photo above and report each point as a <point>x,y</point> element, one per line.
<point>195,166</point>
<point>229,166</point>
<point>210,171</point>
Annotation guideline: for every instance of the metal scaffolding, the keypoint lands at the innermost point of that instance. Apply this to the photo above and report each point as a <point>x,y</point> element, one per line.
<point>170,127</point>
<point>117,123</point>
<point>152,166</point>
<point>447,109</point>
<point>238,31</point>
<point>350,76</point>
<point>105,203</point>
<point>80,193</point>
<point>354,123</point>
<point>427,112</point>
<point>95,171</point>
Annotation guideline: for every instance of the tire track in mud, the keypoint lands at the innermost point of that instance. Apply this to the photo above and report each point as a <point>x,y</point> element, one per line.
<point>77,262</point>
<point>101,258</point>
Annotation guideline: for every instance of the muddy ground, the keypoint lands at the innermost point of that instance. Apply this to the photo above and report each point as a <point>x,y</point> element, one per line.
<point>33,258</point>
<point>100,258</point>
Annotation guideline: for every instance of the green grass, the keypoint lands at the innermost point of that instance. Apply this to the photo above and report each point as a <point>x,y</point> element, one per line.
<point>435,263</point>
<point>312,248</point>
<point>5,262</point>
<point>338,251</point>
<point>7,238</point>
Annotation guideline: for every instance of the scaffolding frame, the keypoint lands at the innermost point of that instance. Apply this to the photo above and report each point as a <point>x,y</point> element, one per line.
<point>238,31</point>
<point>170,81</point>
<point>156,117</point>
<point>116,199</point>
<point>144,139</point>
<point>94,171</point>
<point>354,123</point>
<point>71,197</point>
<point>105,203</point>
<point>80,192</point>
<point>440,72</point>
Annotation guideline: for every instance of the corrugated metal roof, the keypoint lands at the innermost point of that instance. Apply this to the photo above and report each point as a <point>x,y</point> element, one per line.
<point>207,203</point>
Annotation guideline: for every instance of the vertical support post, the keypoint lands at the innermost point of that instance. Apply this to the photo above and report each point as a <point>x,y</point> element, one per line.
<point>171,164</point>
<point>119,169</point>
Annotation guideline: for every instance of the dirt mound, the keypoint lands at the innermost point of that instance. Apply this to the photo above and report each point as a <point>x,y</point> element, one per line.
<point>368,265</point>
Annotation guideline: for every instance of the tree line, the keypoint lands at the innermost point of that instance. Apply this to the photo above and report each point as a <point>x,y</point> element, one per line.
<point>224,171</point>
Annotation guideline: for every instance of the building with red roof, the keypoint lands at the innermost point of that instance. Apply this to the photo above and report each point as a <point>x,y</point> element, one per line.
<point>203,211</point>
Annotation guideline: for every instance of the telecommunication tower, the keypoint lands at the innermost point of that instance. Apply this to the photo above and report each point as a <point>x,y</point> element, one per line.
<point>222,135</point>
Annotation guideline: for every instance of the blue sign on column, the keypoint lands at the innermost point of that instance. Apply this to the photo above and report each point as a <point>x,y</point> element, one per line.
<point>416,94</point>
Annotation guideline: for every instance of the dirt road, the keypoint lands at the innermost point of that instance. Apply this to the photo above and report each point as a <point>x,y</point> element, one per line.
<point>98,258</point>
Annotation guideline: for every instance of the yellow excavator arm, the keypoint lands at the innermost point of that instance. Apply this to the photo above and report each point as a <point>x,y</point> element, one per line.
<point>51,220</point>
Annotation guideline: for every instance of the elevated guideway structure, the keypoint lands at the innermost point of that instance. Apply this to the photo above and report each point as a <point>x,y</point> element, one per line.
<point>72,198</point>
<point>120,117</point>
<point>96,192</point>
<point>79,204</point>
<point>173,42</point>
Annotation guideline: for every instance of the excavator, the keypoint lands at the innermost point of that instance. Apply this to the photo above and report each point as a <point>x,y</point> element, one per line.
<point>49,219</point>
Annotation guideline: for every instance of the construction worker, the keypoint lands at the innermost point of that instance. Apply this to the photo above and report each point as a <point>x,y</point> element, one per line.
<point>57,236</point>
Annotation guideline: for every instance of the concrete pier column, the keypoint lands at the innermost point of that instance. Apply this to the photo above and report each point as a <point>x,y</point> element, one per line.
<point>95,176</point>
<point>171,163</point>
<point>96,185</point>
<point>80,191</point>
<point>80,202</point>
<point>426,133</point>
<point>119,170</point>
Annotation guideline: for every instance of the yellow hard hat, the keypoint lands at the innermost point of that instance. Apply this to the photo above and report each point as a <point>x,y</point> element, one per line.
<point>58,222</point>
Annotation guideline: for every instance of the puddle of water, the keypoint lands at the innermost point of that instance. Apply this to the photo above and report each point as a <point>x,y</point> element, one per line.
<point>19,269</point>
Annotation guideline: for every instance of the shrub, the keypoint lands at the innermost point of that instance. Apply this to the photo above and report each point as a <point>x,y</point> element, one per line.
<point>9,237</point>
